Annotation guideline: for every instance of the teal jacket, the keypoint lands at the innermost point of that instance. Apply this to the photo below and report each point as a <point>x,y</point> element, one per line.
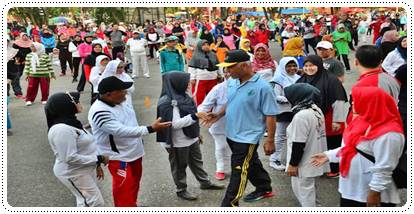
<point>171,60</point>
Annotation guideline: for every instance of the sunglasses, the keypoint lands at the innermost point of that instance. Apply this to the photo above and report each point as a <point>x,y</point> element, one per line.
<point>71,98</point>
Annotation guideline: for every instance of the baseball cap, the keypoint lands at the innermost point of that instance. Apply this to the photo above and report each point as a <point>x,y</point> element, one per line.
<point>233,57</point>
<point>135,32</point>
<point>112,83</point>
<point>324,45</point>
<point>171,38</point>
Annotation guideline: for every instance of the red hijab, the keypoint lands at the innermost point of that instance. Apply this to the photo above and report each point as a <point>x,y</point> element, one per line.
<point>266,62</point>
<point>377,115</point>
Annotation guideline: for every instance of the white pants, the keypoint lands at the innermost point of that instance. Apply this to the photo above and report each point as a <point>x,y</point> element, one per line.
<point>85,188</point>
<point>304,190</point>
<point>280,140</point>
<point>139,60</point>
<point>223,152</point>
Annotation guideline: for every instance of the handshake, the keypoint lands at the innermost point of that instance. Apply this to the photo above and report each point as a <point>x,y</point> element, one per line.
<point>209,118</point>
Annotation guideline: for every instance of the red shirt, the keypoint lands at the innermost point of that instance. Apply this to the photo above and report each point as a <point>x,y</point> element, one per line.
<point>262,36</point>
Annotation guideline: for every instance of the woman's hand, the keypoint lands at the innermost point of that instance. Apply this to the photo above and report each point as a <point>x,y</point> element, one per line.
<point>374,199</point>
<point>319,159</point>
<point>292,170</point>
<point>99,172</point>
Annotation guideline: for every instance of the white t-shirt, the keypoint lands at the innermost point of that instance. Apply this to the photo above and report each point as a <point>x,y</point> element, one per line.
<point>74,150</point>
<point>137,46</point>
<point>307,128</point>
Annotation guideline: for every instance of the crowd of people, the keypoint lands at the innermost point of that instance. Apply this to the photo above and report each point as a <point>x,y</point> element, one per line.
<point>221,75</point>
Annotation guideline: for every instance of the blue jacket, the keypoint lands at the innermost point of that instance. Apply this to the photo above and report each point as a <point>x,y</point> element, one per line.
<point>171,60</point>
<point>48,42</point>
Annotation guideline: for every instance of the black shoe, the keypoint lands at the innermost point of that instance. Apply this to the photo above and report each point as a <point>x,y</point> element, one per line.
<point>186,195</point>
<point>74,80</point>
<point>255,196</point>
<point>212,186</point>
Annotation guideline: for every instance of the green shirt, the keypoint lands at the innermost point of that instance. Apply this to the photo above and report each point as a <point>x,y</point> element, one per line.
<point>44,69</point>
<point>341,46</point>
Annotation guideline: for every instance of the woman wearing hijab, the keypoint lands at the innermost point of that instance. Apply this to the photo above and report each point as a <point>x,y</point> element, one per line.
<point>116,68</point>
<point>341,38</point>
<point>246,46</point>
<point>389,42</point>
<point>77,163</point>
<point>38,70</point>
<point>220,48</point>
<point>229,39</point>
<point>306,137</point>
<point>181,140</point>
<point>251,36</point>
<point>333,102</point>
<point>96,72</point>
<point>154,41</point>
<point>84,49</point>
<point>376,131</point>
<point>397,57</point>
<point>73,48</point>
<point>263,64</point>
<point>65,57</point>
<point>23,44</point>
<point>91,59</point>
<point>178,31</point>
<point>203,70</point>
<point>206,35</point>
<point>285,75</point>
<point>191,43</point>
<point>294,48</point>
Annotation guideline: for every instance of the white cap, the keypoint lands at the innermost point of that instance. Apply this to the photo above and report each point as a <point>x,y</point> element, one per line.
<point>135,31</point>
<point>324,45</point>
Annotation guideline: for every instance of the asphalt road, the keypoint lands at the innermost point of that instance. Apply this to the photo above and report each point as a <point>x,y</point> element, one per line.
<point>31,183</point>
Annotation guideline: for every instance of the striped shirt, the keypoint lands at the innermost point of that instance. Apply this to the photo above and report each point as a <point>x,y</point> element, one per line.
<point>44,69</point>
<point>116,131</point>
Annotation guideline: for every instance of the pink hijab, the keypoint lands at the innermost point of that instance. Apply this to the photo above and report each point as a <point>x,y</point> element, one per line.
<point>21,43</point>
<point>265,63</point>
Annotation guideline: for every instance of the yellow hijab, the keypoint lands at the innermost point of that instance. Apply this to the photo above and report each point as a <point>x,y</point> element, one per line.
<point>242,42</point>
<point>294,47</point>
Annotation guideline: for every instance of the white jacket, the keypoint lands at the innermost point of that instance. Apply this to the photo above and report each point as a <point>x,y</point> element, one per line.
<point>365,175</point>
<point>392,62</point>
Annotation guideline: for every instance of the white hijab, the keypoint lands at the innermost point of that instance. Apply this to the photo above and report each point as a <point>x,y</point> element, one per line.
<point>110,70</point>
<point>40,50</point>
<point>97,71</point>
<point>281,77</point>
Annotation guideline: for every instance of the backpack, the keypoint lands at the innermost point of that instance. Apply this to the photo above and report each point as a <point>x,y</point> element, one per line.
<point>399,174</point>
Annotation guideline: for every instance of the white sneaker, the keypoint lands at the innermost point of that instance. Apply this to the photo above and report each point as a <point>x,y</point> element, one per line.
<point>146,76</point>
<point>134,76</point>
<point>277,165</point>
<point>265,134</point>
<point>44,102</point>
<point>28,103</point>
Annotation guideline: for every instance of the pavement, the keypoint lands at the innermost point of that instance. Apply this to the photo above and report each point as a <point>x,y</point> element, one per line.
<point>31,182</point>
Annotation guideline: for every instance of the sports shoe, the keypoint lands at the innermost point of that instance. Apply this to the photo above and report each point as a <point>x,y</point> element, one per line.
<point>28,103</point>
<point>186,195</point>
<point>348,71</point>
<point>255,196</point>
<point>219,176</point>
<point>20,96</point>
<point>62,74</point>
<point>277,165</point>
<point>265,134</point>
<point>332,175</point>
<point>134,76</point>
<point>44,102</point>
<point>146,76</point>
<point>212,186</point>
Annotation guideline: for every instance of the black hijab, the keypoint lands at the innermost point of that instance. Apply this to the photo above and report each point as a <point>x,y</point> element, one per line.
<point>61,109</point>
<point>301,96</point>
<point>401,50</point>
<point>209,37</point>
<point>203,60</point>
<point>174,88</point>
<point>330,87</point>
<point>91,59</point>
